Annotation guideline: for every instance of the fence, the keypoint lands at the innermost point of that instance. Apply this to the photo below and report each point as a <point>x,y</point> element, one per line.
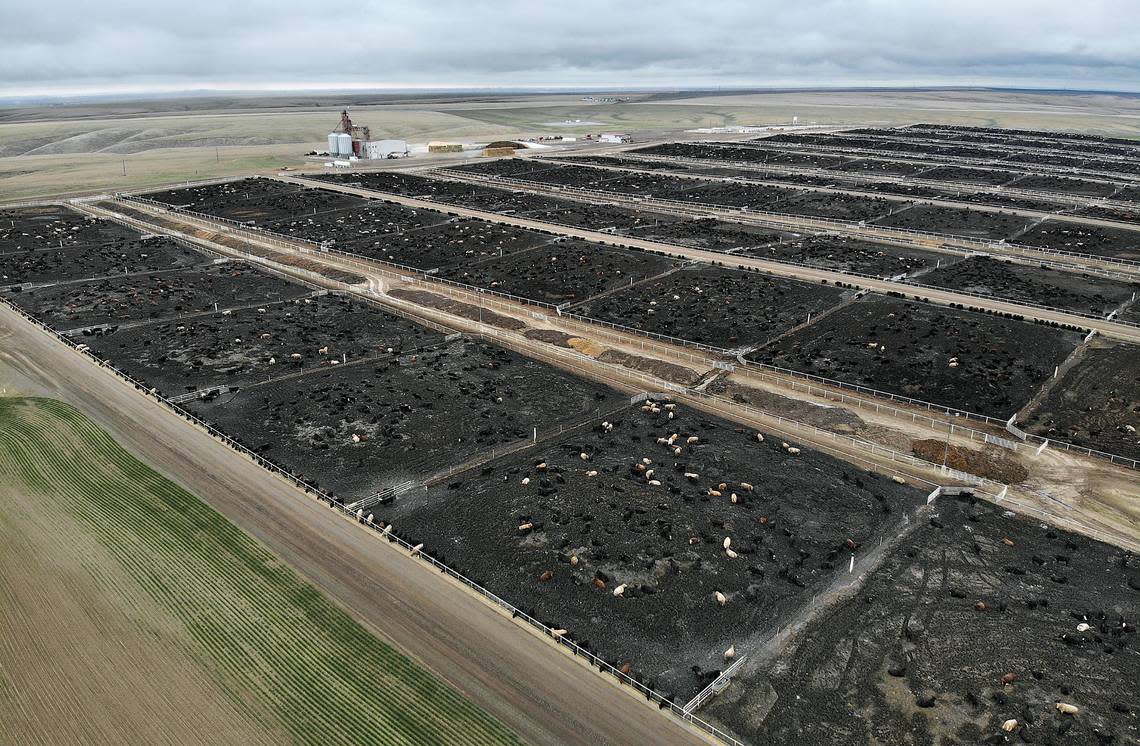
<point>479,295</point>
<point>781,219</point>
<point>935,159</point>
<point>768,178</point>
<point>524,443</point>
<point>559,636</point>
<point>867,178</point>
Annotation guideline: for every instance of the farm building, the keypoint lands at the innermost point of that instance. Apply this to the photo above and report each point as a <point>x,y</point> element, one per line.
<point>385,149</point>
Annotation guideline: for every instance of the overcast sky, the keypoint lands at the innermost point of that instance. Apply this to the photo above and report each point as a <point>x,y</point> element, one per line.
<point>85,45</point>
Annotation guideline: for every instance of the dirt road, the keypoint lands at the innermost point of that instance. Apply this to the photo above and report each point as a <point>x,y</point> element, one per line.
<point>535,688</point>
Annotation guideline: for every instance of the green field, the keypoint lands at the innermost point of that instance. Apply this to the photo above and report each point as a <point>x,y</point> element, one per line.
<point>169,571</point>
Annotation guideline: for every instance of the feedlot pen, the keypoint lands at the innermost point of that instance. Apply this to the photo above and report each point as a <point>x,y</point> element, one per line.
<point>667,541</point>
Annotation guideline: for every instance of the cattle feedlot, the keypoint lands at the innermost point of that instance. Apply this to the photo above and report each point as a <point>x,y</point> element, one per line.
<point>806,438</point>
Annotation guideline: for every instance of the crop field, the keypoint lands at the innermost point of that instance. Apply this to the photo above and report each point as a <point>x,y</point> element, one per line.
<point>851,255</point>
<point>1084,239</point>
<point>627,549</point>
<point>97,259</point>
<point>977,618</point>
<point>726,308</point>
<point>220,351</point>
<point>955,221</point>
<point>113,301</point>
<point>971,361</point>
<point>357,429</point>
<point>244,650</point>
<point>1033,284</point>
<point>1096,404</point>
<point>564,272</point>
<point>33,228</point>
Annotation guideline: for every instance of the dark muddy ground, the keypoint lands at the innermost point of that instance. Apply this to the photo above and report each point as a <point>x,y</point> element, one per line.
<point>839,206</point>
<point>598,216</point>
<point>164,295</point>
<point>1131,314</point>
<point>912,659</point>
<point>595,216</point>
<point>562,272</point>
<point>1123,214</point>
<point>1032,284</point>
<point>1084,239</point>
<point>33,228</point>
<point>1096,404</point>
<point>413,414</point>
<point>961,359</point>
<point>956,221</point>
<point>710,234</point>
<point>91,260</point>
<point>213,196</point>
<point>887,167</point>
<point>296,210</point>
<point>716,306</point>
<point>852,255</point>
<point>1128,194</point>
<point>455,243</point>
<point>1065,185</point>
<point>896,149</point>
<point>355,220</point>
<point>664,542</point>
<point>251,346</point>
<point>743,153</point>
<point>966,175</point>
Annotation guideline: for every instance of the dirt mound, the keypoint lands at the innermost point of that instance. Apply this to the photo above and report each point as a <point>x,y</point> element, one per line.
<point>991,465</point>
<point>836,419</point>
<point>466,310</point>
<point>586,346</point>
<point>550,336</point>
<point>661,369</point>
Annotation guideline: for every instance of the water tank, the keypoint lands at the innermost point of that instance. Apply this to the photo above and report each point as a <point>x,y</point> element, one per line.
<point>332,143</point>
<point>344,144</point>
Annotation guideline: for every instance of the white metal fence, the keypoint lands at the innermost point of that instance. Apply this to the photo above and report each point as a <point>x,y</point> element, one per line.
<point>782,219</point>
<point>491,298</point>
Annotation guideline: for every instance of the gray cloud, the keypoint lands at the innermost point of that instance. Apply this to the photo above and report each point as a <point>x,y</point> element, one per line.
<point>77,44</point>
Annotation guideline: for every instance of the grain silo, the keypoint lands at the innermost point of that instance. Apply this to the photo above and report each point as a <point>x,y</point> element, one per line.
<point>344,144</point>
<point>333,148</point>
